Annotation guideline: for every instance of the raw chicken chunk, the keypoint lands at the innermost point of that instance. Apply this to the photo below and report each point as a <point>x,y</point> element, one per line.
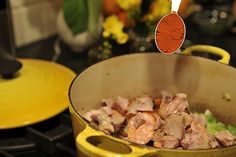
<point>121,104</point>
<point>173,105</point>
<point>225,138</point>
<point>143,103</point>
<point>117,119</point>
<point>141,128</point>
<point>196,137</point>
<point>102,118</point>
<point>200,118</point>
<point>166,142</point>
<point>174,126</point>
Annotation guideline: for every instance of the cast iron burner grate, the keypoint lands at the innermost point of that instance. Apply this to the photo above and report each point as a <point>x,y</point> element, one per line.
<point>51,138</point>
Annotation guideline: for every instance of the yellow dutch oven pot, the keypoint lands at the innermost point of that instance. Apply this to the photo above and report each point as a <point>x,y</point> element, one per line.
<point>205,81</point>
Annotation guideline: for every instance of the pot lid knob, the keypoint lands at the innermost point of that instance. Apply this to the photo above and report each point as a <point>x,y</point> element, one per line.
<point>8,67</point>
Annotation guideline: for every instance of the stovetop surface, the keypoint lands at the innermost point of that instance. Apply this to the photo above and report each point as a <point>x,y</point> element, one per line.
<point>50,138</point>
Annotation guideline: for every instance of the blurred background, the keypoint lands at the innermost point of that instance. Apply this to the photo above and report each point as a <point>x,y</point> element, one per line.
<point>78,33</point>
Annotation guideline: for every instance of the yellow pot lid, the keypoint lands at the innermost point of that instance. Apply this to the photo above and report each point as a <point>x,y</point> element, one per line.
<point>39,92</point>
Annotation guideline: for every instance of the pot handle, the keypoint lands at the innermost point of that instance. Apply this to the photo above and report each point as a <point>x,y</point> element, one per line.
<point>97,144</point>
<point>210,49</point>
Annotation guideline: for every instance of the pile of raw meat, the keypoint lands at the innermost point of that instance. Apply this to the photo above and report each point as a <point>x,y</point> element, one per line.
<point>162,122</point>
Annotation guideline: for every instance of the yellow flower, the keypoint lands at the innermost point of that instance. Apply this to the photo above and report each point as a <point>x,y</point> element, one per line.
<point>130,4</point>
<point>122,38</point>
<point>158,9</point>
<point>105,34</point>
<point>116,29</point>
<point>110,21</point>
<point>112,25</point>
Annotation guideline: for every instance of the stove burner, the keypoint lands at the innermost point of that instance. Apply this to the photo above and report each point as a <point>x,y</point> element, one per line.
<point>51,138</point>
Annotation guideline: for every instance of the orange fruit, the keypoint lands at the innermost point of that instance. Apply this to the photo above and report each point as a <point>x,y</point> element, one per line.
<point>123,17</point>
<point>110,7</point>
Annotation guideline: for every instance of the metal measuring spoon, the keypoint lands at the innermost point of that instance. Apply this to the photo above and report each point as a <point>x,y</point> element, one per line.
<point>170,31</point>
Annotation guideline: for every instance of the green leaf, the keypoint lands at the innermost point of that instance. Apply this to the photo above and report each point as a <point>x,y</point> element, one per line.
<point>76,15</point>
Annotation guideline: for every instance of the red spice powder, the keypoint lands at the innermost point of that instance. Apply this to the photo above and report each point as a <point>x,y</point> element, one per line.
<point>170,33</point>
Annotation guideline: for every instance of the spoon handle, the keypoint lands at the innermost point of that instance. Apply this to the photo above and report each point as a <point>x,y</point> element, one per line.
<point>175,5</point>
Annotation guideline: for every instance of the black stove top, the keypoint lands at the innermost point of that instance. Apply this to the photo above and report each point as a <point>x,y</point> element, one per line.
<point>51,138</point>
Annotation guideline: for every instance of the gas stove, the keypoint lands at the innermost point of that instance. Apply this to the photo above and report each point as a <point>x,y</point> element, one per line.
<point>50,138</point>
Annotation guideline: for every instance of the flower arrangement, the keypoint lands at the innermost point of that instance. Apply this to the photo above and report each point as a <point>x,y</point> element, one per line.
<point>113,28</point>
<point>125,20</point>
